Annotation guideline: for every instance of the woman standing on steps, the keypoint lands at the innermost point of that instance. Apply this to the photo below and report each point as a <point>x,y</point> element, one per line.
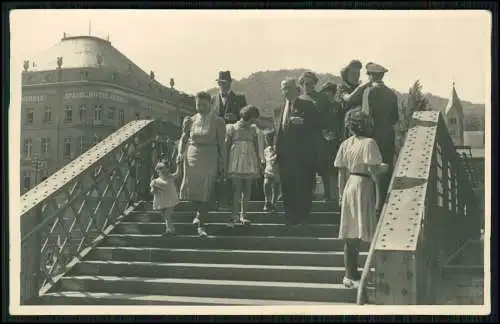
<point>360,164</point>
<point>202,152</point>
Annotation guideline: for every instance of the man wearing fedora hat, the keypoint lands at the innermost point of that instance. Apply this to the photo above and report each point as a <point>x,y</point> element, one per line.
<point>227,105</point>
<point>381,103</point>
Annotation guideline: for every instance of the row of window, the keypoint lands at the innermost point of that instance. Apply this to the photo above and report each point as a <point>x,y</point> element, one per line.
<point>83,144</point>
<point>97,114</point>
<point>84,75</point>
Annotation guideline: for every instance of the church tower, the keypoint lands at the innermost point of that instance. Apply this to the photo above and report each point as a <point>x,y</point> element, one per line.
<point>454,118</point>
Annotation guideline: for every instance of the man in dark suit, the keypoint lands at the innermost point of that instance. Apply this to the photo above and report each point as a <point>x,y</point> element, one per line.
<point>307,82</point>
<point>381,103</point>
<point>226,104</point>
<point>297,130</point>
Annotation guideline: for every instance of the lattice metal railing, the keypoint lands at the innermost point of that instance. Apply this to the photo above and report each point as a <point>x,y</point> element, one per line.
<point>430,212</point>
<point>67,213</point>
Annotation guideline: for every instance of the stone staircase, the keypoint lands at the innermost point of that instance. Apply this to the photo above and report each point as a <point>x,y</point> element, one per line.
<point>266,263</point>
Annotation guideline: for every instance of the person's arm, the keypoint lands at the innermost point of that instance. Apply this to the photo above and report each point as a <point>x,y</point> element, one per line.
<point>350,97</point>
<point>373,158</point>
<point>152,187</point>
<point>342,180</point>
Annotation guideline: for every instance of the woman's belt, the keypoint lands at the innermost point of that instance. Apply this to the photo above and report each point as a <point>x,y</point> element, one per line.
<point>364,175</point>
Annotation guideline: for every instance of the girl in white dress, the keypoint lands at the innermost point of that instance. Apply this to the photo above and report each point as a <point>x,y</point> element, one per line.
<point>165,195</point>
<point>272,186</point>
<point>360,163</point>
<point>243,160</point>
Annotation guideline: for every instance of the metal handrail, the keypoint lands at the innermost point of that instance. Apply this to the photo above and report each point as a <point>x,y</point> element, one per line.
<point>371,251</point>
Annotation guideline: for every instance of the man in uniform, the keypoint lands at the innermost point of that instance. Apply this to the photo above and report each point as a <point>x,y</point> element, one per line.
<point>381,103</point>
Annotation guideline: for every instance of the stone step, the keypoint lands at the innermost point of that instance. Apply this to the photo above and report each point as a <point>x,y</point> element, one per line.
<point>210,288</point>
<point>326,217</point>
<point>267,229</point>
<point>252,206</point>
<point>262,257</point>
<point>228,242</point>
<point>210,271</point>
<point>97,298</point>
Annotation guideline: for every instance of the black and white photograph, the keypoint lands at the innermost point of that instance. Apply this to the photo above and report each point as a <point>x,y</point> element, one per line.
<point>250,162</point>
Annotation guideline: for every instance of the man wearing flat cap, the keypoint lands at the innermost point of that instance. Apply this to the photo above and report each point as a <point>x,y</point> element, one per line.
<point>381,103</point>
<point>308,82</point>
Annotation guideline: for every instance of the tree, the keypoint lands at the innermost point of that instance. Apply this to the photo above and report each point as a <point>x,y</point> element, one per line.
<point>416,101</point>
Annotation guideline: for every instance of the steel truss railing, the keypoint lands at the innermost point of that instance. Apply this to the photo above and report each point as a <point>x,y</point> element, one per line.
<point>72,210</point>
<point>430,212</point>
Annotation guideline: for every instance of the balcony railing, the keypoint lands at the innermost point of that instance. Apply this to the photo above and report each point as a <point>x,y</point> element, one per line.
<point>430,212</point>
<point>63,217</point>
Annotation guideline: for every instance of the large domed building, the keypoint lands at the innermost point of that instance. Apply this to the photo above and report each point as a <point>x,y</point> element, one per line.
<point>78,92</point>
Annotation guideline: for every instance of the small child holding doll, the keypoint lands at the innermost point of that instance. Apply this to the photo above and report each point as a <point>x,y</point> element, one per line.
<point>165,195</point>
<point>272,185</point>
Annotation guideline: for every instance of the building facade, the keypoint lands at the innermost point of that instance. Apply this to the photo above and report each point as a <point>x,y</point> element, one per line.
<point>79,92</point>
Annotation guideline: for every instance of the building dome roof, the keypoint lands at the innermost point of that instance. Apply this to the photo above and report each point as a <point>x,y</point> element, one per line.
<point>86,52</point>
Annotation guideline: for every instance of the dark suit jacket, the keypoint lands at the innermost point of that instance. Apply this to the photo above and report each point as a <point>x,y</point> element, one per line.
<point>233,105</point>
<point>297,142</point>
<point>382,105</point>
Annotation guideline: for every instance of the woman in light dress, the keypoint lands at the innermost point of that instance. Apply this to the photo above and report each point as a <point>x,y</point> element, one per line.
<point>360,164</point>
<point>202,151</point>
<point>243,160</point>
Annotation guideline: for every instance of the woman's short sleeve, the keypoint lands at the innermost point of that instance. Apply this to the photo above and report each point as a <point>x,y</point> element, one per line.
<point>340,160</point>
<point>371,153</point>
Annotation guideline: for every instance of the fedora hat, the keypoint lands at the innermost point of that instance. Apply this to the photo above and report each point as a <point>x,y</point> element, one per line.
<point>224,76</point>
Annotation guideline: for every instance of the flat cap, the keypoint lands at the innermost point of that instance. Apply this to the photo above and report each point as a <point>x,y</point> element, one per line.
<point>328,86</point>
<point>375,68</point>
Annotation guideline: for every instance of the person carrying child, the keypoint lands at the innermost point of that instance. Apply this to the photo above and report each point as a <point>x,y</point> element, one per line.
<point>165,195</point>
<point>272,185</point>
<point>243,160</point>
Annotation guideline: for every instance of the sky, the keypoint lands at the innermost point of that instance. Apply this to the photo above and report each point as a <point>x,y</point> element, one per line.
<point>191,46</point>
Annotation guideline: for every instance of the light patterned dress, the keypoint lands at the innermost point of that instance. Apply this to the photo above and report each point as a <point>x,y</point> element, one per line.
<point>202,157</point>
<point>244,161</point>
<point>358,214</point>
<point>167,195</point>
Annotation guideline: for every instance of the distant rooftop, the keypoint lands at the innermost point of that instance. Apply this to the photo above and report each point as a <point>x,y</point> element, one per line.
<point>83,51</point>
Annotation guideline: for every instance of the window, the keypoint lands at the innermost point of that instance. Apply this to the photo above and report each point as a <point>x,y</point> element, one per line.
<point>122,116</point>
<point>68,114</point>
<point>84,75</point>
<point>452,132</point>
<point>111,113</point>
<point>45,146</point>
<point>30,116</point>
<point>47,117</point>
<point>82,144</point>
<point>113,76</point>
<point>97,112</point>
<point>67,147</point>
<point>27,147</point>
<point>26,180</point>
<point>81,110</point>
<point>48,78</point>
<point>453,120</point>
